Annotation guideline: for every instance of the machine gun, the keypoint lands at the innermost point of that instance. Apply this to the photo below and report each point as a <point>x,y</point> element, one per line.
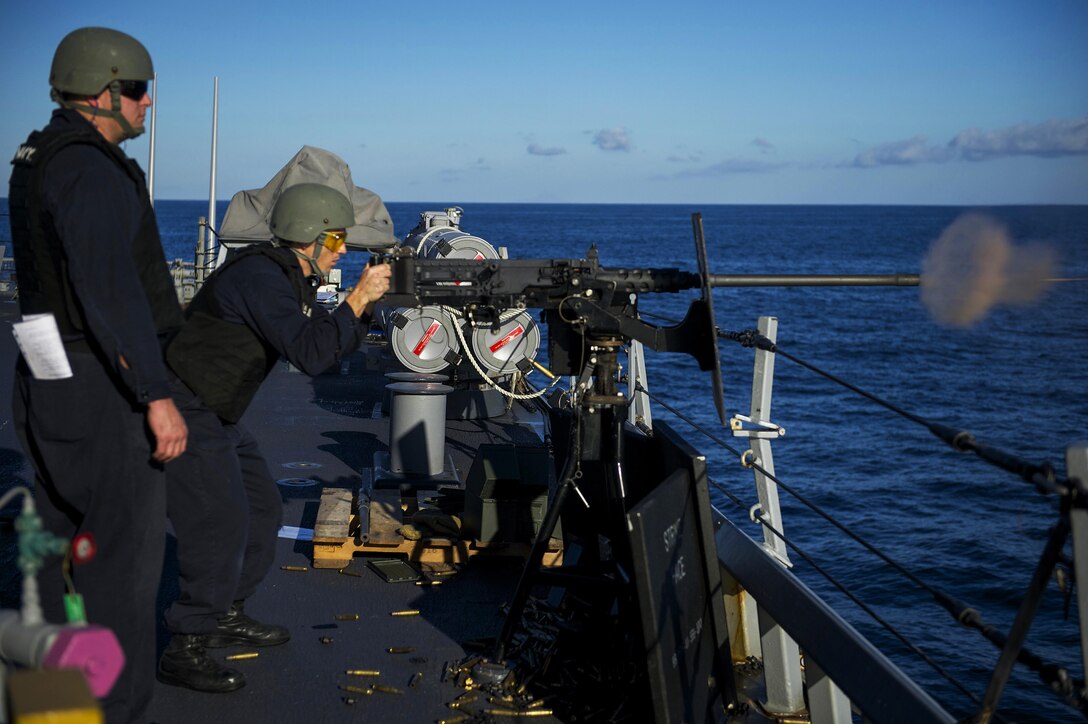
<point>586,305</point>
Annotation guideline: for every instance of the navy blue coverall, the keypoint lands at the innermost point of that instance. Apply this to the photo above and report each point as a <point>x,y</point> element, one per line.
<point>222,501</point>
<point>86,436</point>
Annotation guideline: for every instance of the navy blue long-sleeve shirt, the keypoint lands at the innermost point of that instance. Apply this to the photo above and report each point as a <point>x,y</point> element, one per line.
<point>97,210</point>
<point>254,291</point>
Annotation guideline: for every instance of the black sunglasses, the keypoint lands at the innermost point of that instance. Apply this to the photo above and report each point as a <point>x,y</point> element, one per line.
<point>134,89</point>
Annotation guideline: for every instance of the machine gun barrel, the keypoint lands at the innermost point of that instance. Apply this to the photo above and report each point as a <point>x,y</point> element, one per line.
<point>814,280</point>
<point>544,282</point>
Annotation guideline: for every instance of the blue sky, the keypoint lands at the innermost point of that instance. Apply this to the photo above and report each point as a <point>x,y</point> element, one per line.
<point>964,102</point>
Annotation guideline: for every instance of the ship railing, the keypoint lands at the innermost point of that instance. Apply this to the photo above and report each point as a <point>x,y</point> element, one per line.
<point>773,616</point>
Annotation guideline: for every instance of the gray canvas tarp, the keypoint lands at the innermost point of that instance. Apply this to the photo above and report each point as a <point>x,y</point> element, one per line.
<point>249,211</point>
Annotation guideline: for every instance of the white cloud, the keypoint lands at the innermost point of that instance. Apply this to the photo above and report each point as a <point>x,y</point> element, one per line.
<point>1049,139</point>
<point>612,139</point>
<point>900,153</point>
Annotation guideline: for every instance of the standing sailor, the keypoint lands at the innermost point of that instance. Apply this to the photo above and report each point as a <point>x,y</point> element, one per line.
<point>87,251</point>
<point>222,500</point>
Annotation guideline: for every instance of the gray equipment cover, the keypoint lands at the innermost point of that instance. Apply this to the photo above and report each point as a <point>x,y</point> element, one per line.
<point>249,211</point>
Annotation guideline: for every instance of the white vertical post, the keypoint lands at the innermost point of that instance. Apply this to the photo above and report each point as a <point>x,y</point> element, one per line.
<point>639,409</point>
<point>210,237</point>
<point>781,655</point>
<point>826,702</point>
<point>760,411</point>
<point>201,253</point>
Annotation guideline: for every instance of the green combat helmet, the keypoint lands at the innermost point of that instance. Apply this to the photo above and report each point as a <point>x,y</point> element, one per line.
<point>89,60</point>
<point>304,212</point>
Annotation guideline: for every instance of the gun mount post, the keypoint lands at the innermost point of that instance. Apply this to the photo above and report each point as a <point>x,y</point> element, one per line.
<point>600,398</point>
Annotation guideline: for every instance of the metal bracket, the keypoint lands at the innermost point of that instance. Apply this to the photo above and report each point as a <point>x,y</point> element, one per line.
<point>756,428</point>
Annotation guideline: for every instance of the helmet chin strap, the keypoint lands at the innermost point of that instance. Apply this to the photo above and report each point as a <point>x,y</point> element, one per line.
<point>317,271</point>
<point>127,129</point>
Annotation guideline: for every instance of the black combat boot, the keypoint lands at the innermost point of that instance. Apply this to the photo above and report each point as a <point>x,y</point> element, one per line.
<point>186,663</point>
<point>238,629</point>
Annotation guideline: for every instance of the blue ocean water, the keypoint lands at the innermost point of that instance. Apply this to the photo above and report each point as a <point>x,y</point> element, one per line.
<point>1017,379</point>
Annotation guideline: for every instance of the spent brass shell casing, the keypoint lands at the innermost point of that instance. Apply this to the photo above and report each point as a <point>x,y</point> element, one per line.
<point>356,689</point>
<point>406,612</point>
<point>455,720</point>
<point>325,639</point>
<point>239,657</point>
<point>414,681</point>
<point>401,649</point>
<point>385,689</point>
<point>299,569</point>
<point>347,617</point>
<point>363,672</point>
<point>346,572</point>
<point>428,583</point>
<point>518,713</point>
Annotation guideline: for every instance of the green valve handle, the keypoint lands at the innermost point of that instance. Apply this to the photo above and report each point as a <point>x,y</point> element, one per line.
<point>74,609</point>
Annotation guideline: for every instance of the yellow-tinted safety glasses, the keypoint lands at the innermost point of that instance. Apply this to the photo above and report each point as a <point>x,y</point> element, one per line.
<point>334,241</point>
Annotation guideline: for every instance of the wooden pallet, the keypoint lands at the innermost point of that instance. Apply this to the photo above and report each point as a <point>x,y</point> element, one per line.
<point>335,539</point>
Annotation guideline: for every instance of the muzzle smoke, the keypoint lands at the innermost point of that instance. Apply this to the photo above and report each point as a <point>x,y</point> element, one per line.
<point>974,266</point>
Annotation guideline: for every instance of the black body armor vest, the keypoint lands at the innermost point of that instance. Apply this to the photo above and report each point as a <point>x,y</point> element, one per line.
<point>223,362</point>
<point>40,262</point>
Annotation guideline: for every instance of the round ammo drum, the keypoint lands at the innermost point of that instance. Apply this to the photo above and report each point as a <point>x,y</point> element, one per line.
<point>417,427</point>
<point>423,338</point>
<point>509,348</point>
<point>450,243</point>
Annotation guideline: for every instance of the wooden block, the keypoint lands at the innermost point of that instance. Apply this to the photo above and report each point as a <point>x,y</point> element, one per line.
<point>334,514</point>
<point>333,555</point>
<point>385,517</point>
